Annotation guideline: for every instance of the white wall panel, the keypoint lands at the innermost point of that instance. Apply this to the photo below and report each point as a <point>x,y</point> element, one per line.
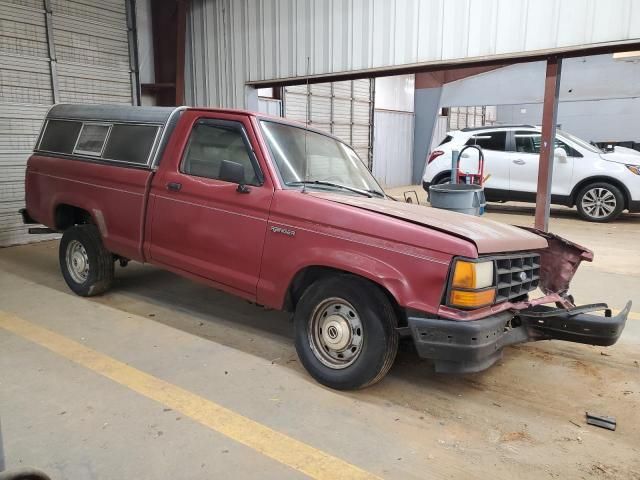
<point>395,93</point>
<point>393,153</point>
<point>270,106</point>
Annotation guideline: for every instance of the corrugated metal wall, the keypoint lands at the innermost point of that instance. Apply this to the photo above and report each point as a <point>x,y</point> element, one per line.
<point>476,116</point>
<point>270,106</point>
<point>393,147</point>
<point>236,41</point>
<point>58,50</point>
<point>343,109</point>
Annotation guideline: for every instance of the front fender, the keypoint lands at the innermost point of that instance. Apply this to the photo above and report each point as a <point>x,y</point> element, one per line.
<point>415,282</point>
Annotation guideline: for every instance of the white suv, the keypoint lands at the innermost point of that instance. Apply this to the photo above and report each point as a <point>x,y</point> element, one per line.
<point>601,185</point>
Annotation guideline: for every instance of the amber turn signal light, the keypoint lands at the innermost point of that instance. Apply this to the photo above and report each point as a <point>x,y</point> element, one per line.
<point>472,299</point>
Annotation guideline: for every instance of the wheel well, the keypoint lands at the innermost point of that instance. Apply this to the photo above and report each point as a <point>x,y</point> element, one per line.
<point>67,216</point>
<point>440,176</point>
<point>308,275</point>
<point>590,180</point>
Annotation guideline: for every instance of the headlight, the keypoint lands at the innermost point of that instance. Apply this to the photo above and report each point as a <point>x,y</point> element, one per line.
<point>634,169</point>
<point>472,275</point>
<point>472,284</point>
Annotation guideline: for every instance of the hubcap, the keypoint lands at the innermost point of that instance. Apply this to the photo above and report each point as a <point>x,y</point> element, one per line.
<point>599,202</point>
<point>336,334</point>
<point>77,261</point>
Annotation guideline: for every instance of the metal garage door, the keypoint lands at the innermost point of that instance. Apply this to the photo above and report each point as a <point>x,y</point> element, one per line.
<point>342,108</point>
<point>53,51</point>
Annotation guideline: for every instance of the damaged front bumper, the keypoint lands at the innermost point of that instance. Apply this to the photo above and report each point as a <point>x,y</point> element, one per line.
<point>458,346</point>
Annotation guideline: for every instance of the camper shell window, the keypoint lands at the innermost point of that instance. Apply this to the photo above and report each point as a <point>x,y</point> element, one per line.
<point>131,143</point>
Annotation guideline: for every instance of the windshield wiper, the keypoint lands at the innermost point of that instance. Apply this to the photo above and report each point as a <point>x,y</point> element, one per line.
<point>377,193</point>
<point>366,193</point>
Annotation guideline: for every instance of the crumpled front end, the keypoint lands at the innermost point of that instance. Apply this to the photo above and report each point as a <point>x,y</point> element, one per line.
<point>559,263</point>
<point>461,341</point>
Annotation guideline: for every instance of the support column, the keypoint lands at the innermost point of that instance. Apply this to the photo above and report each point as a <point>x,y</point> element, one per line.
<point>426,106</point>
<point>549,121</point>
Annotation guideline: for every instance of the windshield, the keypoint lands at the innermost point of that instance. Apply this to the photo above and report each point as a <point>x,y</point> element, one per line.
<point>580,142</point>
<point>328,164</point>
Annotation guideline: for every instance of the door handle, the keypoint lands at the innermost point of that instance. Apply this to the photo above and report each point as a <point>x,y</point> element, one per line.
<point>174,186</point>
<point>519,162</point>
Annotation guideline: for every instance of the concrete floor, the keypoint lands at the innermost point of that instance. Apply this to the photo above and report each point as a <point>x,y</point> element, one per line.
<point>523,418</point>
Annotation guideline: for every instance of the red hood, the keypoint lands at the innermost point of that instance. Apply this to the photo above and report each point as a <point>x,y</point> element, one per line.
<point>487,235</point>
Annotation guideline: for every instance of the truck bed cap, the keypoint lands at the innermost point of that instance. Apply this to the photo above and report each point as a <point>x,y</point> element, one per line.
<point>113,113</point>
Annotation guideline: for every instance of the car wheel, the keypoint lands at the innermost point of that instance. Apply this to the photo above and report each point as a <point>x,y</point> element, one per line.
<point>345,332</point>
<point>600,202</point>
<point>86,265</point>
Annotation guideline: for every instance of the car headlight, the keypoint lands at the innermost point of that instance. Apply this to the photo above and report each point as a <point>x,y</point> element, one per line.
<point>472,284</point>
<point>634,169</point>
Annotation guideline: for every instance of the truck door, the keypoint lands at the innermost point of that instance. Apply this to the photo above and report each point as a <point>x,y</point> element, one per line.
<point>201,221</point>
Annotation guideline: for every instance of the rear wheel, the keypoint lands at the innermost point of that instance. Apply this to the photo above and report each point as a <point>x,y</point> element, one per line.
<point>86,265</point>
<point>600,202</point>
<point>345,332</point>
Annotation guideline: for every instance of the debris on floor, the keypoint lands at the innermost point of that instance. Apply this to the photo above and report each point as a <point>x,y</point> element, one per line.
<point>601,421</point>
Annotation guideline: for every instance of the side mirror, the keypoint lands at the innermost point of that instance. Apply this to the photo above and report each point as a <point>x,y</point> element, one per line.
<point>560,154</point>
<point>233,172</point>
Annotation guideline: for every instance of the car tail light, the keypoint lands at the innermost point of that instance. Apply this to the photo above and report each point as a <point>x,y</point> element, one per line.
<point>435,154</point>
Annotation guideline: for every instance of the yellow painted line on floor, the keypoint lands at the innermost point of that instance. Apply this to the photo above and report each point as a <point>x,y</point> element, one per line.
<point>278,446</point>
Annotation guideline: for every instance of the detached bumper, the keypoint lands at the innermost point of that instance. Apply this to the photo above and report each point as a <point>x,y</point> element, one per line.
<point>472,346</point>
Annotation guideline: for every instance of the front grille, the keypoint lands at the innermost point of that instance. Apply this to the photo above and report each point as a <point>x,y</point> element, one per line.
<point>517,275</point>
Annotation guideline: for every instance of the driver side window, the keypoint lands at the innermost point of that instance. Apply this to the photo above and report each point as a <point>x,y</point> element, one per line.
<point>527,141</point>
<point>213,142</point>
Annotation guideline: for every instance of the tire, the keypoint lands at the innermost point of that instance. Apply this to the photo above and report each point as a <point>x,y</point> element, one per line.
<point>86,265</point>
<point>443,180</point>
<point>359,324</point>
<point>600,202</point>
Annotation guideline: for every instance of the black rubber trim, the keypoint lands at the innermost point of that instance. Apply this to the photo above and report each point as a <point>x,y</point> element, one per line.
<point>26,218</point>
<point>575,326</point>
<point>634,206</point>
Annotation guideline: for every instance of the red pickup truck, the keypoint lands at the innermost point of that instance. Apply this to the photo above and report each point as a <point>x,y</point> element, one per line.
<point>290,218</point>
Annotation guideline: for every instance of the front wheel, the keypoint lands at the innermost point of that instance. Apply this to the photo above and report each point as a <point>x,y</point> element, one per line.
<point>600,202</point>
<point>345,332</point>
<point>86,265</point>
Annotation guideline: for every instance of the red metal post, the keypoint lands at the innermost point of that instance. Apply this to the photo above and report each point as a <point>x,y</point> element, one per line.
<point>549,117</point>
